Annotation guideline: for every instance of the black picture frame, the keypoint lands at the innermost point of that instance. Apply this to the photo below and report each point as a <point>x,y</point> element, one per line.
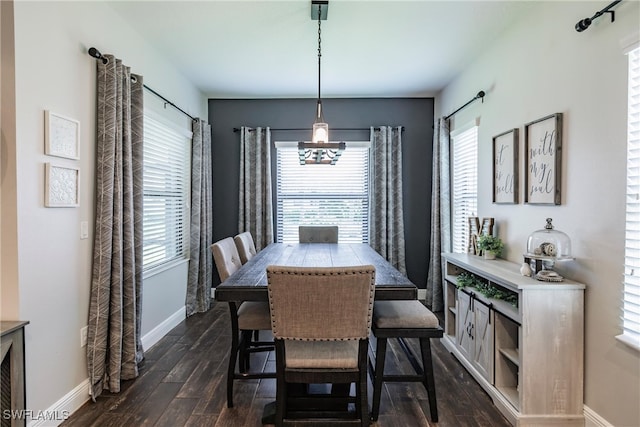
<point>543,160</point>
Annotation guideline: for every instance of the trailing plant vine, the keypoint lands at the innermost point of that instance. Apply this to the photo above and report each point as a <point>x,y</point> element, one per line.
<point>469,280</point>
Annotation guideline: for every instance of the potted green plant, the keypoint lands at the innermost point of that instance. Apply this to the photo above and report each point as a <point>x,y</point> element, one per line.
<point>491,246</point>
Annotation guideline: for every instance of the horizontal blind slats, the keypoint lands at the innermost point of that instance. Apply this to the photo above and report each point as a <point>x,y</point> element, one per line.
<point>464,191</point>
<point>323,195</point>
<point>631,277</point>
<point>166,182</point>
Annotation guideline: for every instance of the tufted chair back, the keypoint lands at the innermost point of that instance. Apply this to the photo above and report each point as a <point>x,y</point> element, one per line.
<point>321,303</point>
<point>246,246</point>
<point>226,257</point>
<point>318,234</point>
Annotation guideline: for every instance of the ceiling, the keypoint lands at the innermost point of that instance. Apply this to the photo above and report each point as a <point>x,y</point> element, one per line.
<point>268,49</point>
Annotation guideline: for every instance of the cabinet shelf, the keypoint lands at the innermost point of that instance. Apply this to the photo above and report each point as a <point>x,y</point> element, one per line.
<point>453,310</point>
<point>452,278</point>
<point>511,354</point>
<point>511,394</point>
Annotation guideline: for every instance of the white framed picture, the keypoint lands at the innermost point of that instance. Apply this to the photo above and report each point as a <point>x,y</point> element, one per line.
<point>61,136</point>
<point>62,186</point>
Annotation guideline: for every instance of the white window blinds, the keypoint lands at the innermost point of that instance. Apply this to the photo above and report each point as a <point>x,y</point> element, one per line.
<point>166,182</point>
<point>323,194</point>
<point>464,185</point>
<point>631,300</point>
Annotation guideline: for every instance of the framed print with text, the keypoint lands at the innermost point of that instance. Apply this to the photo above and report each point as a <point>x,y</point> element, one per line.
<point>505,167</point>
<point>543,160</point>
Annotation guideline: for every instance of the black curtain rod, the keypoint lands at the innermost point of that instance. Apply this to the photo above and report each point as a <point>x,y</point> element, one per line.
<point>583,24</point>
<point>303,129</point>
<point>96,54</point>
<point>479,95</point>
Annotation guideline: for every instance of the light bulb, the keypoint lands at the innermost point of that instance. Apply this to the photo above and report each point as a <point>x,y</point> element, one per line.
<point>320,133</point>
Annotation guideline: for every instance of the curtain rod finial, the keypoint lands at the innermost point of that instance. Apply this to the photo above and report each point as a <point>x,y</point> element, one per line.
<point>96,54</point>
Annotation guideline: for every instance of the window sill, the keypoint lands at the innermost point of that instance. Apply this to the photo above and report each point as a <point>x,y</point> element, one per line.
<point>163,267</point>
<point>628,341</point>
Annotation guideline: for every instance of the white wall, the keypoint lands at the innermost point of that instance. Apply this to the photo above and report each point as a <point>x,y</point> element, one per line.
<point>53,71</point>
<point>543,66</point>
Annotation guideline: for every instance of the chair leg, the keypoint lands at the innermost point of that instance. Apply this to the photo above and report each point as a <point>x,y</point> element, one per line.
<point>363,406</point>
<point>381,351</point>
<point>245,343</point>
<point>281,386</point>
<point>429,380</point>
<point>233,354</point>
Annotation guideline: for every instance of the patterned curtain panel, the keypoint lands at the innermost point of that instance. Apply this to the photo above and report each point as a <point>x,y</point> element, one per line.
<point>256,206</point>
<point>200,264</point>
<point>440,214</point>
<point>386,223</point>
<point>114,346</point>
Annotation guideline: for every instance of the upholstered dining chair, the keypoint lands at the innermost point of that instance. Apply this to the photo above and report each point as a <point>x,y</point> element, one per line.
<point>321,321</point>
<point>318,234</point>
<point>245,245</point>
<point>249,316</point>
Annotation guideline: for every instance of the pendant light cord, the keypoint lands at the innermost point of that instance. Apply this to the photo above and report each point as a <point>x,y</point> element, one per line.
<point>320,115</point>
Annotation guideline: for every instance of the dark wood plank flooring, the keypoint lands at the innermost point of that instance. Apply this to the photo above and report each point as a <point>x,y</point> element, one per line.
<point>182,383</point>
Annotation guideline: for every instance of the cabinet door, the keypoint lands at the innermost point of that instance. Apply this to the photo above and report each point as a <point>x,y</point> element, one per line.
<point>464,322</point>
<point>482,339</point>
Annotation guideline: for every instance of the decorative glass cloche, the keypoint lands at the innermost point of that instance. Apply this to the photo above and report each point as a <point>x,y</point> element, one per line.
<point>549,243</point>
<point>544,248</point>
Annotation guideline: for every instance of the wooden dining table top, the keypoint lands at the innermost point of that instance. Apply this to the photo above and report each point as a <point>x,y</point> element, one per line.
<point>249,283</point>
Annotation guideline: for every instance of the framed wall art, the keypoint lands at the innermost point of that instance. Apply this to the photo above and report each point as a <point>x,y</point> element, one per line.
<point>62,186</point>
<point>505,167</point>
<point>543,160</point>
<point>61,136</point>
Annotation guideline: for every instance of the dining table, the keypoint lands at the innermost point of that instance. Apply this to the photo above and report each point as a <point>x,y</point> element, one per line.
<point>249,283</point>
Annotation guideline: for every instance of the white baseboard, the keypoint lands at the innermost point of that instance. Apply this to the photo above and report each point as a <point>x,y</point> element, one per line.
<point>593,419</point>
<point>422,294</point>
<point>63,408</point>
<point>77,397</point>
<point>156,334</point>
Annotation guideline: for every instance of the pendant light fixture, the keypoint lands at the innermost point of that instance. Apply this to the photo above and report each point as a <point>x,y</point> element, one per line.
<point>320,151</point>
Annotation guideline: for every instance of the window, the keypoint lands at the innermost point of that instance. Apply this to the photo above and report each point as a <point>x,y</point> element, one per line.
<point>631,299</point>
<point>464,184</point>
<point>322,194</point>
<point>166,183</point>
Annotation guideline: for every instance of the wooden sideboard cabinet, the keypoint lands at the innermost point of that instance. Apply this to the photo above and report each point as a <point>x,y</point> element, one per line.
<point>529,356</point>
<point>12,388</point>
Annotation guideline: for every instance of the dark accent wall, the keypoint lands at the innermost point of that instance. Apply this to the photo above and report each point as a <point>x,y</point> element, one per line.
<point>415,114</point>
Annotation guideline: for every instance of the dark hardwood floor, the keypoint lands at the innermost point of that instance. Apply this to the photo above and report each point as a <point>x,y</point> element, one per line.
<point>182,383</point>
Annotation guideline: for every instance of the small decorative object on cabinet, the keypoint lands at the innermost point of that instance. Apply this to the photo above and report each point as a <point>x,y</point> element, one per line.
<point>474,231</point>
<point>525,269</point>
<point>491,246</point>
<point>521,339</point>
<point>544,248</point>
